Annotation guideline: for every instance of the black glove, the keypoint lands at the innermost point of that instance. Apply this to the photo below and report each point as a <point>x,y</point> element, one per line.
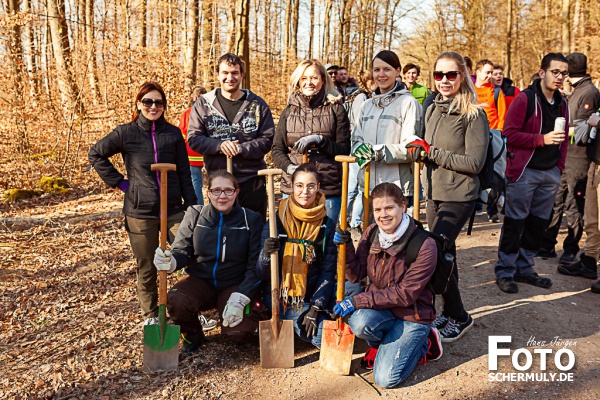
<point>341,236</point>
<point>272,245</point>
<point>310,323</point>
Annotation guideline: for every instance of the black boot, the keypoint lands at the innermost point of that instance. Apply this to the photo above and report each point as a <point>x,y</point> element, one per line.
<point>585,267</point>
<point>596,287</point>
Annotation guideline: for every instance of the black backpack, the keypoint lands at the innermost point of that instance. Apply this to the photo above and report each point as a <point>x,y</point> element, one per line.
<point>445,260</point>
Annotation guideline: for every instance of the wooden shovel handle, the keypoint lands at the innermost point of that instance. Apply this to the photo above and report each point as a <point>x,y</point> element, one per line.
<point>269,174</point>
<point>305,157</point>
<point>163,168</point>
<point>366,196</point>
<point>417,191</point>
<point>229,164</point>
<point>341,266</point>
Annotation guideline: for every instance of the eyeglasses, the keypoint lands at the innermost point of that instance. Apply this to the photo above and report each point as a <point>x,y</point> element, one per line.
<point>451,75</point>
<point>148,103</point>
<point>217,191</point>
<point>310,188</point>
<point>556,72</point>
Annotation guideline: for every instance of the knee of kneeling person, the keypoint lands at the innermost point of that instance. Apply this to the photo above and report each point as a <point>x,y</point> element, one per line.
<point>178,304</point>
<point>384,379</point>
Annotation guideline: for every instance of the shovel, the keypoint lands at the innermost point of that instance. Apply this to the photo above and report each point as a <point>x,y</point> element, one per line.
<point>417,191</point>
<point>305,157</point>
<point>366,195</point>
<point>161,342</point>
<point>276,336</point>
<point>229,164</point>
<point>337,342</point>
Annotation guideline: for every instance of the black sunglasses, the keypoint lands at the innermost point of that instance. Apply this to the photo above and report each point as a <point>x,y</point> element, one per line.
<point>451,75</point>
<point>148,103</point>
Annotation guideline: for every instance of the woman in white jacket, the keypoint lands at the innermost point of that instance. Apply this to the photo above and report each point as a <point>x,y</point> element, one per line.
<point>387,123</point>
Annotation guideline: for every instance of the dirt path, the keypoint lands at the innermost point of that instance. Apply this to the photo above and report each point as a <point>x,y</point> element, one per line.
<point>70,326</point>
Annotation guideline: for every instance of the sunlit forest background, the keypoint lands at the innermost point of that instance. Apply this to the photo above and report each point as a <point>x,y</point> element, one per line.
<point>70,68</point>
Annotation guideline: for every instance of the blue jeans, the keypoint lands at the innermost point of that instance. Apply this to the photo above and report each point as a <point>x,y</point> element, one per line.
<point>332,206</point>
<point>401,343</point>
<point>197,182</point>
<point>355,198</point>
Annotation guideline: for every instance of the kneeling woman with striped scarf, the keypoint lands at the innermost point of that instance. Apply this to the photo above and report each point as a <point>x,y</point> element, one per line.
<point>307,256</point>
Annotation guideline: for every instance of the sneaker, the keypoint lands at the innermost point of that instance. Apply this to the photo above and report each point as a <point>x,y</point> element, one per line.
<point>191,347</point>
<point>567,258</point>
<point>151,321</point>
<point>368,360</point>
<point>494,218</point>
<point>585,267</point>
<point>440,322</point>
<point>454,329</point>
<point>479,212</point>
<point>434,347</point>
<point>207,324</point>
<point>545,253</point>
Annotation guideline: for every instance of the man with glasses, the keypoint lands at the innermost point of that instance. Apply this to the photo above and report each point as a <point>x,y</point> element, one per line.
<point>533,173</point>
<point>230,122</point>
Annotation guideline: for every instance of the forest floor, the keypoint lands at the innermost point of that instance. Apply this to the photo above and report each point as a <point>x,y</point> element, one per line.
<point>70,326</point>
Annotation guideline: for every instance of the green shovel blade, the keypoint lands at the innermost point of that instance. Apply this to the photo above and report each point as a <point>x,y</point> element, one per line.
<point>161,345</point>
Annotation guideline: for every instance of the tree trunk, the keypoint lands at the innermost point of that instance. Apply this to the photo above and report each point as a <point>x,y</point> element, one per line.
<point>287,36</point>
<point>62,56</point>
<point>231,28</point>
<point>91,53</point>
<point>209,26</point>
<point>143,23</point>
<point>509,23</point>
<point>311,34</point>
<point>191,48</point>
<point>30,59</point>
<point>294,42</point>
<point>566,26</point>
<point>242,37</point>
<point>326,31</point>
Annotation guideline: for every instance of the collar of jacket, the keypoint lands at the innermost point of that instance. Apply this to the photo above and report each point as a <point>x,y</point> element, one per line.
<point>586,78</point>
<point>506,83</point>
<point>383,100</point>
<point>536,86</point>
<point>443,104</point>
<point>300,100</point>
<point>399,245</point>
<point>214,214</point>
<point>146,124</point>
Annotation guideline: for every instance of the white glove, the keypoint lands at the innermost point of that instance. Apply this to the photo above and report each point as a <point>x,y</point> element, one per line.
<point>291,169</point>
<point>234,309</point>
<point>163,261</point>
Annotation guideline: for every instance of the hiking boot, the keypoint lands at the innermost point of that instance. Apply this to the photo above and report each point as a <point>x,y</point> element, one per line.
<point>207,324</point>
<point>151,321</point>
<point>596,287</point>
<point>191,347</point>
<point>440,322</point>
<point>454,330</point>
<point>507,285</point>
<point>535,280</point>
<point>545,253</point>
<point>434,347</point>
<point>567,258</point>
<point>494,218</point>
<point>585,267</point>
<point>368,360</point>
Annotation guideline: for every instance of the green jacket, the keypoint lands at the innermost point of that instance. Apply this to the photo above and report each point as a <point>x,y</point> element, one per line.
<point>419,92</point>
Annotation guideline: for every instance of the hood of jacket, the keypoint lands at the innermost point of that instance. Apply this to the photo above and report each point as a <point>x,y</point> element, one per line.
<point>382,100</point>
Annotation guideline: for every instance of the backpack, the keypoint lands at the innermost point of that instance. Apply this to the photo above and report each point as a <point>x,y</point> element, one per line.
<point>445,260</point>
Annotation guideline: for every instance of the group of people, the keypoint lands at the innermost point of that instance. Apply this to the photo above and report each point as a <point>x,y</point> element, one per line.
<point>224,246</point>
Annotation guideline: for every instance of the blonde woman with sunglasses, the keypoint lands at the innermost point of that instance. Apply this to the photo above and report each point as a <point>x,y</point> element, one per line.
<point>146,140</point>
<point>453,151</point>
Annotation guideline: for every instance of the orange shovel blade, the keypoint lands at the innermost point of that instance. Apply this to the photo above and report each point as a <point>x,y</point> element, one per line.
<point>337,344</point>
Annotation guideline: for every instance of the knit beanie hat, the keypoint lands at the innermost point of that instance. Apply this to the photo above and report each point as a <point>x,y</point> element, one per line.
<point>577,64</point>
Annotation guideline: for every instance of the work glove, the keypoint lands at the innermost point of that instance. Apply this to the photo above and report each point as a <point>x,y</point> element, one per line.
<point>234,309</point>
<point>272,245</point>
<point>163,260</point>
<point>291,169</point>
<point>344,308</point>
<point>415,148</point>
<point>123,185</point>
<point>306,141</point>
<point>364,154</point>
<point>310,323</point>
<point>341,237</point>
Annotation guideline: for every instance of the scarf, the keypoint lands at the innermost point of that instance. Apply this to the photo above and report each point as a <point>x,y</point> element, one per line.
<point>383,100</point>
<point>388,239</point>
<point>302,226</point>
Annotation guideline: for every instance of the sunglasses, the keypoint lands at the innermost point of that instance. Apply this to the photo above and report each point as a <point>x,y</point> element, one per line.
<point>451,75</point>
<point>148,103</point>
<point>331,72</point>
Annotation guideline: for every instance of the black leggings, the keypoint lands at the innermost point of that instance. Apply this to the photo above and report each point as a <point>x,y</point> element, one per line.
<point>448,218</point>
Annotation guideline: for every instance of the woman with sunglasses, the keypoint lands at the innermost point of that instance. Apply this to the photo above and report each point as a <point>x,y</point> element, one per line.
<point>387,122</point>
<point>307,256</point>
<point>147,140</point>
<point>218,245</point>
<point>314,123</point>
<point>454,152</point>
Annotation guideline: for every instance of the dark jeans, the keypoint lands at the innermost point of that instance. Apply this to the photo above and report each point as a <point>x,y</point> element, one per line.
<point>570,200</point>
<point>253,196</point>
<point>448,218</point>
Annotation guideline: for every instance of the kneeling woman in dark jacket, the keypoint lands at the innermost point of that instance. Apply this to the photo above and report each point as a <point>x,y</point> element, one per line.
<point>218,245</point>
<point>307,255</point>
<point>395,311</point>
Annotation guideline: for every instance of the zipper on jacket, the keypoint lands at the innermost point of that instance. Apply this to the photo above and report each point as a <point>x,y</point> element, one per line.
<point>224,247</point>
<point>218,249</point>
<point>378,275</point>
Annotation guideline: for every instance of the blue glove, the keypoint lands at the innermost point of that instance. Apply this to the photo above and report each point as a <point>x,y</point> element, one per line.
<point>304,142</point>
<point>123,185</point>
<point>341,236</point>
<point>344,308</point>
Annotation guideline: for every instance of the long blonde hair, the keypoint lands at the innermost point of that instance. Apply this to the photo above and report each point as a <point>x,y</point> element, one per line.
<point>331,93</point>
<point>465,101</point>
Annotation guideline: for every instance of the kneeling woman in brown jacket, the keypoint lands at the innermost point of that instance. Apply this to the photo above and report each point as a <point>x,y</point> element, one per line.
<point>395,311</point>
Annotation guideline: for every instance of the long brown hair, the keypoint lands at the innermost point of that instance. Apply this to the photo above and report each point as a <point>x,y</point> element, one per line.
<point>146,88</point>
